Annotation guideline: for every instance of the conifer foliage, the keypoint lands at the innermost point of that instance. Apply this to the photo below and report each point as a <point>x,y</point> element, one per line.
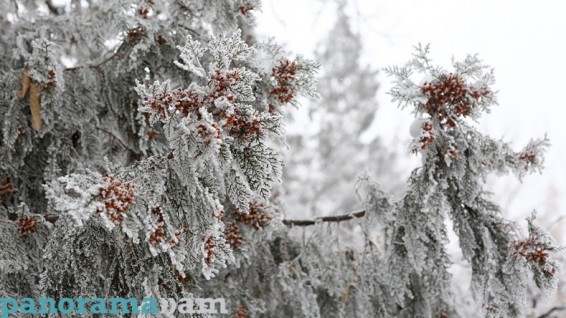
<point>457,159</point>
<point>138,155</point>
<point>145,168</point>
<point>402,269</point>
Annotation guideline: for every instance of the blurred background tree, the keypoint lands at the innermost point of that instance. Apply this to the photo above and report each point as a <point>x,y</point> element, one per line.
<point>326,151</point>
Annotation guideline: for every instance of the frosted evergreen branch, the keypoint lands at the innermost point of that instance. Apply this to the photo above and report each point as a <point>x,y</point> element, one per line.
<point>196,202</point>
<point>120,48</point>
<point>191,54</point>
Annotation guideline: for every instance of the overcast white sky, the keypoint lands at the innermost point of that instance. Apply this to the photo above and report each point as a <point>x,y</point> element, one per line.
<point>525,41</point>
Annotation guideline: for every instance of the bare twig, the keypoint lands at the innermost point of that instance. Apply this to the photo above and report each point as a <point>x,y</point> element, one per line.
<point>553,309</point>
<point>106,60</point>
<point>51,217</point>
<point>335,218</point>
<point>52,8</point>
<point>7,188</point>
<point>118,139</point>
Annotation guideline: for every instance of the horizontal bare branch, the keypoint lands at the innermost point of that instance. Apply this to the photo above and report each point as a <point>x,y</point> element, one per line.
<point>334,218</point>
<point>553,309</point>
<point>106,60</point>
<point>7,188</point>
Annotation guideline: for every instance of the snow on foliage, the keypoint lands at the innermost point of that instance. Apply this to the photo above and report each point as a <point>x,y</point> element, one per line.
<point>145,169</point>
<point>129,159</point>
<point>450,184</point>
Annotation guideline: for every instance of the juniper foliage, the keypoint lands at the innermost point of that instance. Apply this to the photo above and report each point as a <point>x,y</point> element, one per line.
<point>402,269</point>
<point>138,156</point>
<point>163,125</point>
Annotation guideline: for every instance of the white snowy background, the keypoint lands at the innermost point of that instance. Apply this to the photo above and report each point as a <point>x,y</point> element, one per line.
<point>524,41</point>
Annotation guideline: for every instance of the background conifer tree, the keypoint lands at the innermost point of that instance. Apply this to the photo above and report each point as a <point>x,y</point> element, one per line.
<point>341,116</point>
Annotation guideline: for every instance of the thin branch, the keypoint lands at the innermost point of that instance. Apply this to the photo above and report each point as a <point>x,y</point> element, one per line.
<point>334,218</point>
<point>131,35</point>
<point>553,309</point>
<point>118,139</point>
<point>106,60</point>
<point>52,8</point>
<point>50,217</point>
<point>7,188</point>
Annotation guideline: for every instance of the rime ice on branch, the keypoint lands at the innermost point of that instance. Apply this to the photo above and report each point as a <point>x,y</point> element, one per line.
<point>205,163</point>
<point>140,184</point>
<point>224,119</point>
<point>218,130</point>
<point>456,161</point>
